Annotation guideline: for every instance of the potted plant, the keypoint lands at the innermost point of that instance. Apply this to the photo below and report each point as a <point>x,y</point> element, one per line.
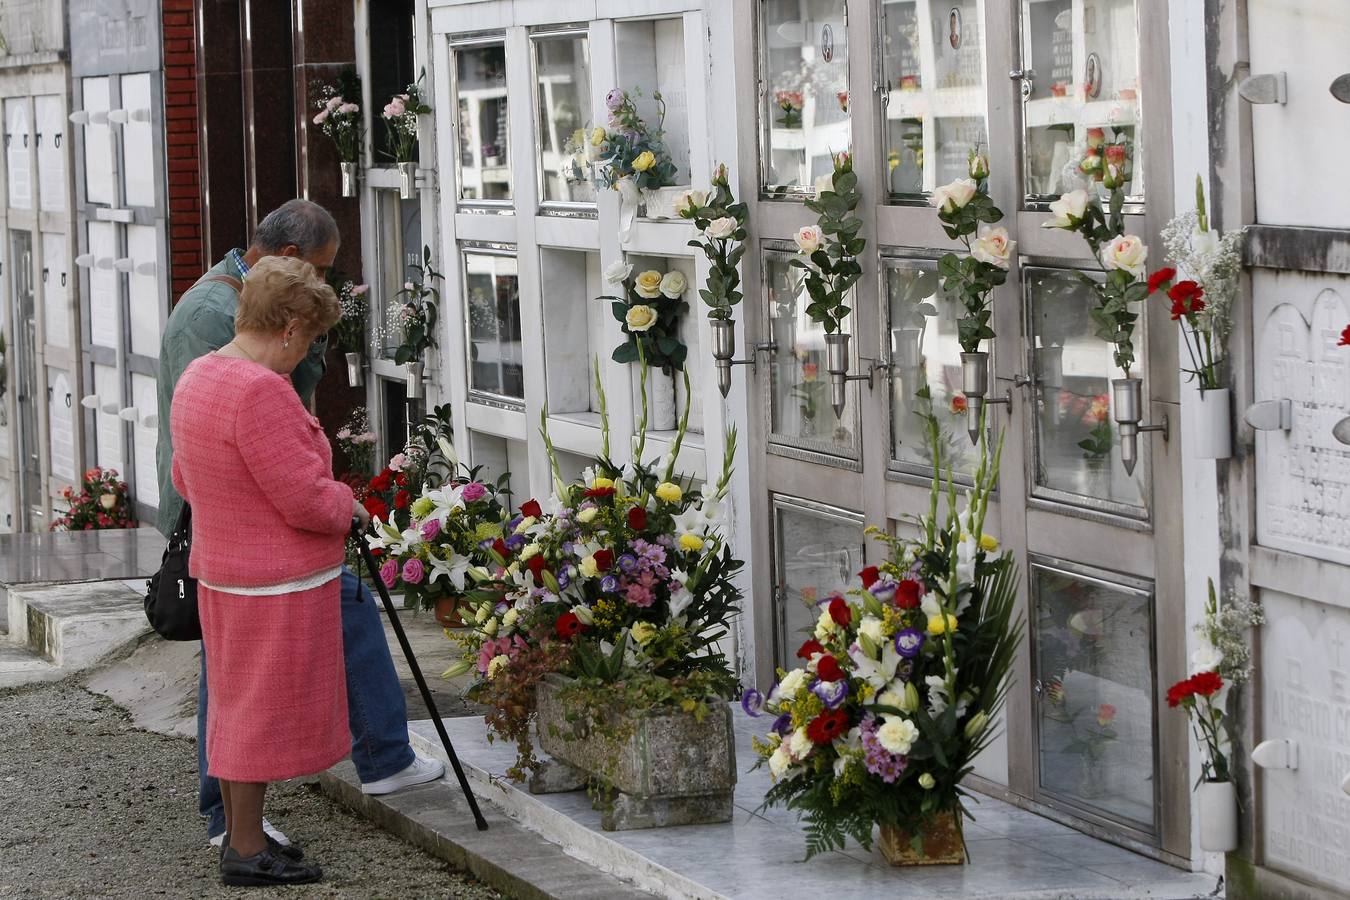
<point>340,118</point>
<point>635,161</point>
<point>967,211</point>
<point>721,223</point>
<point>349,333</point>
<point>414,314</point>
<point>898,686</point>
<point>400,119</point>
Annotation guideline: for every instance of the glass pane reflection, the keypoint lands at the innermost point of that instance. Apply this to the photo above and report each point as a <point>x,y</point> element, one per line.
<point>563,90</point>
<point>925,355</point>
<point>493,293</point>
<point>816,555</point>
<point>399,250</point>
<point>1094,679</point>
<point>484,151</point>
<point>804,118</point>
<point>1076,436</point>
<point>934,99</point>
<point>1083,93</point>
<point>800,407</point>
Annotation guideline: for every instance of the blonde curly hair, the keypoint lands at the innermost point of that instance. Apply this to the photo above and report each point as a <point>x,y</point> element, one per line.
<point>280,289</point>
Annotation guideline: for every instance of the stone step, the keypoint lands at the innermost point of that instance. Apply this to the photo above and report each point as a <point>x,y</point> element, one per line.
<point>19,665</point>
<point>75,626</point>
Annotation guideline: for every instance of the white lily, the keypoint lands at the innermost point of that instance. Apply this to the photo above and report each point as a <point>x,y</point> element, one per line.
<point>454,569</point>
<point>877,673</point>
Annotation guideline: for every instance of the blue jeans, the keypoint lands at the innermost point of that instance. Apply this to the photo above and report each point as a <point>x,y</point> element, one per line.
<point>376,711</point>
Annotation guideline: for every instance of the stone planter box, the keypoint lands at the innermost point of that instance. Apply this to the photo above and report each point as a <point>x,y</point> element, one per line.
<point>670,769</point>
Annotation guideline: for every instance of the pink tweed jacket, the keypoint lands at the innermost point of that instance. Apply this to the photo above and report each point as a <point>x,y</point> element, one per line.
<point>257,470</point>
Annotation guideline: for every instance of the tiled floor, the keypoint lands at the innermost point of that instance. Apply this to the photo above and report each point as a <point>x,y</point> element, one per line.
<point>1014,853</point>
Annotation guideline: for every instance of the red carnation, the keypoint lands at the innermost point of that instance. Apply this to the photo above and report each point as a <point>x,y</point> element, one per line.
<point>382,481</point>
<point>604,560</point>
<point>637,518</point>
<point>1206,684</point>
<point>827,669</point>
<point>827,726</point>
<point>568,626</point>
<point>907,594</point>
<point>536,564</point>
<point>401,479</point>
<point>377,508</point>
<point>810,649</point>
<point>1345,338</point>
<point>870,576</point>
<point>1160,278</point>
<point>840,612</point>
<point>402,499</point>
<point>597,492</point>
<point>1186,299</point>
<point>531,508</point>
<point>500,548</point>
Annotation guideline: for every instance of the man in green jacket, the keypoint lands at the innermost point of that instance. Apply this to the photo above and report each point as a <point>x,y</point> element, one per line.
<point>201,323</point>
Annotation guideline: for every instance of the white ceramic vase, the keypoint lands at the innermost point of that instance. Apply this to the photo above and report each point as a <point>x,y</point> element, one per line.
<point>1216,802</point>
<point>1213,431</point>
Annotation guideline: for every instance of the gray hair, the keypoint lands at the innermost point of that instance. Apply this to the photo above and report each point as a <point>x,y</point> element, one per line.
<point>302,223</point>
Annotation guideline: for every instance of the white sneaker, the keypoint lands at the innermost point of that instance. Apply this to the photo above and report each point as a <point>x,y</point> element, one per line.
<point>269,829</point>
<point>421,771</point>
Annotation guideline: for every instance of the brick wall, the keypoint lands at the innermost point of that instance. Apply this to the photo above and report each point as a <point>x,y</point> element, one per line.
<point>180,114</point>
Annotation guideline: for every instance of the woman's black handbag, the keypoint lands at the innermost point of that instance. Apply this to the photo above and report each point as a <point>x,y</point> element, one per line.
<point>171,593</point>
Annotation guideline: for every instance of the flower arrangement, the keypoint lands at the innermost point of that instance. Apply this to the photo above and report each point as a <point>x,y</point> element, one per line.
<point>649,311</point>
<point>339,117</point>
<point>622,580</point>
<point>899,684</point>
<point>829,250</point>
<point>790,104</point>
<point>413,314</point>
<point>354,301</point>
<point>1203,302</point>
<point>629,149</point>
<point>721,223</point>
<point>357,441</point>
<point>966,210</point>
<point>102,502</point>
<point>1121,256</point>
<point>400,118</point>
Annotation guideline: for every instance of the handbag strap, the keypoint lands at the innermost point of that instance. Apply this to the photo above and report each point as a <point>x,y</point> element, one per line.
<point>181,536</point>
<point>234,283</point>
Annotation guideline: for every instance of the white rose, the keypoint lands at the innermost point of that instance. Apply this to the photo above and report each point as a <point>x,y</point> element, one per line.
<point>791,684</point>
<point>1068,210</point>
<point>954,196</point>
<point>617,272</point>
<point>721,229</point>
<point>871,629</point>
<point>689,200</point>
<point>800,745</point>
<point>1126,253</point>
<point>824,625</point>
<point>824,183</point>
<point>780,761</point>
<point>897,735</point>
<point>673,285</point>
<point>809,239</point>
<point>993,246</point>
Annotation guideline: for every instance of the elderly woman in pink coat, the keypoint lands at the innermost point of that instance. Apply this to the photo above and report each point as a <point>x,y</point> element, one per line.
<point>268,523</point>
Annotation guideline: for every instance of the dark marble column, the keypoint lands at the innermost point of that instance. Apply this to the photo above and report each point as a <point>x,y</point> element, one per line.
<point>268,106</point>
<point>220,133</point>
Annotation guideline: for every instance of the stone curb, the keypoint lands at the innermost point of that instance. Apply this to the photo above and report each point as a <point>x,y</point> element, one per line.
<point>516,861</point>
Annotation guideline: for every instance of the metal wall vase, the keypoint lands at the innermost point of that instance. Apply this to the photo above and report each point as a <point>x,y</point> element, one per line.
<point>1127,400</point>
<point>407,180</point>
<point>351,175</point>
<point>356,364</point>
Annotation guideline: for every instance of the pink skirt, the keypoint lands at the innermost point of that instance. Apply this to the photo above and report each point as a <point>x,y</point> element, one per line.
<point>276,681</point>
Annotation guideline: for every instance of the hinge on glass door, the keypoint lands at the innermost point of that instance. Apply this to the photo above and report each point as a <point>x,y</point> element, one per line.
<point>1027,79</point>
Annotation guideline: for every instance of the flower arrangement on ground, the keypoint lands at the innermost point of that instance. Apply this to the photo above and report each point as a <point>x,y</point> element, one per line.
<point>721,223</point>
<point>101,502</point>
<point>829,251</point>
<point>388,495</point>
<point>1122,256</point>
<point>349,334</point>
<point>649,311</point>
<point>632,153</point>
<point>357,441</point>
<point>967,211</point>
<point>339,115</point>
<point>898,687</point>
<point>400,118</point>
<point>413,313</point>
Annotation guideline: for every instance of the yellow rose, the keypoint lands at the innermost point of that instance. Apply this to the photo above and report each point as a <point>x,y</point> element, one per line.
<point>640,317</point>
<point>988,543</point>
<point>691,542</point>
<point>643,632</point>
<point>645,160</point>
<point>597,136</point>
<point>937,625</point>
<point>587,515</point>
<point>649,284</point>
<point>669,492</point>
<point>927,781</point>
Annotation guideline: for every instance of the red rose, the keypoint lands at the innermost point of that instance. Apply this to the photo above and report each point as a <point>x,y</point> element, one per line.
<point>600,492</point>
<point>402,499</point>
<point>500,548</point>
<point>604,560</point>
<point>401,479</point>
<point>870,576</point>
<point>1345,338</point>
<point>1206,684</point>
<point>531,508</point>
<point>377,508</point>
<point>1160,278</point>
<point>840,612</point>
<point>810,649</point>
<point>568,626</point>
<point>377,552</point>
<point>827,669</point>
<point>827,726</point>
<point>907,594</point>
<point>536,563</point>
<point>637,516</point>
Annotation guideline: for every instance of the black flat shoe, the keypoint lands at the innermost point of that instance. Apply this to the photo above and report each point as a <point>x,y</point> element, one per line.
<point>290,851</point>
<point>266,868</point>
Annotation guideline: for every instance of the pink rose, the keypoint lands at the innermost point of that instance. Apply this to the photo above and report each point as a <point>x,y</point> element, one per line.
<point>430,529</point>
<point>473,491</point>
<point>389,572</point>
<point>413,571</point>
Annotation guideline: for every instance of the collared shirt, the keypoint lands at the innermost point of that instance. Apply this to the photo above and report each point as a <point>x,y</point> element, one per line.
<point>201,323</point>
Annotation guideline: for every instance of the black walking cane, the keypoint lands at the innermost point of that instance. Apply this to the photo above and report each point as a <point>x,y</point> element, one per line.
<point>358,534</point>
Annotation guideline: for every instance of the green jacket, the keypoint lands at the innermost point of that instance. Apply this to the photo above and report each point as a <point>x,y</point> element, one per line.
<point>202,322</point>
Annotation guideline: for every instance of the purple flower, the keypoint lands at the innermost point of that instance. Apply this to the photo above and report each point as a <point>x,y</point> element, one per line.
<point>879,761</point>
<point>515,542</point>
<point>831,693</point>
<point>564,579</point>
<point>609,584</point>
<point>783,724</point>
<point>430,529</point>
<point>884,590</point>
<point>413,571</point>
<point>389,572</point>
<point>614,99</point>
<point>909,642</point>
<point>473,491</point>
<point>752,701</point>
<point>628,562</point>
